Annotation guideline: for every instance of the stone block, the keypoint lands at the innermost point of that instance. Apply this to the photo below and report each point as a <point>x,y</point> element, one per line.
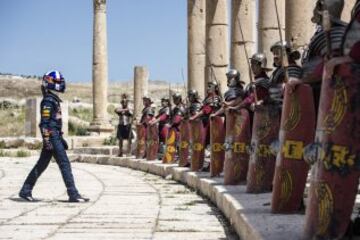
<point>157,168</point>
<point>93,150</point>
<point>178,174</point>
<point>85,141</point>
<point>207,187</point>
<point>32,117</point>
<point>144,165</point>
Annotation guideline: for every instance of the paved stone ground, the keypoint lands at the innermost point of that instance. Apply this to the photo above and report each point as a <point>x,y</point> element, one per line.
<point>125,204</point>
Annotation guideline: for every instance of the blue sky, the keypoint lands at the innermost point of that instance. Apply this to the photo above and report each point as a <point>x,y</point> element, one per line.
<point>38,35</point>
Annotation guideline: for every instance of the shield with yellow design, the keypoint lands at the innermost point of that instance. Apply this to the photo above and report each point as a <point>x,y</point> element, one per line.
<point>141,141</point>
<point>152,143</point>
<point>265,131</point>
<point>184,146</point>
<point>217,139</point>
<point>297,129</point>
<point>197,136</point>
<point>170,150</point>
<point>334,187</point>
<point>238,135</point>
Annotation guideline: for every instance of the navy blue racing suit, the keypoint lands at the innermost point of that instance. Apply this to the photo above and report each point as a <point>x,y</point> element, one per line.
<point>53,146</point>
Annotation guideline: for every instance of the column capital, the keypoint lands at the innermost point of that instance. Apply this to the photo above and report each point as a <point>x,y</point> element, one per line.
<point>100,5</point>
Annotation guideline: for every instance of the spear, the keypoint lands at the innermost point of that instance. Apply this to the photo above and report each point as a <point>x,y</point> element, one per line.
<point>247,59</point>
<point>285,61</point>
<point>326,23</point>
<point>185,89</point>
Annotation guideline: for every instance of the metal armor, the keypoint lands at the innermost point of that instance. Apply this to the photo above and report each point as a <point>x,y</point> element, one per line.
<point>318,46</point>
<point>147,112</point>
<point>125,118</point>
<point>262,81</point>
<point>178,110</point>
<point>213,101</point>
<point>233,93</point>
<point>194,108</point>
<point>275,89</point>
<point>164,110</point>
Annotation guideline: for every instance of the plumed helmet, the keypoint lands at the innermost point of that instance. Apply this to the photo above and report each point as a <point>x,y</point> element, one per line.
<point>335,8</point>
<point>54,80</point>
<point>260,58</point>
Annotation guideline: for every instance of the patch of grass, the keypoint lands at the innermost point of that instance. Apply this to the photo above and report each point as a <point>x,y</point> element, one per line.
<point>2,144</point>
<point>22,153</point>
<point>12,122</point>
<point>110,141</point>
<point>36,146</point>
<point>85,114</point>
<point>76,130</point>
<point>111,109</point>
<point>4,154</point>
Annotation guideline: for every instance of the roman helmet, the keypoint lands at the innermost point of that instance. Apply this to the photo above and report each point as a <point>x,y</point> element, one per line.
<point>193,95</point>
<point>176,97</point>
<point>261,60</point>
<point>233,78</point>
<point>335,8</point>
<point>212,87</point>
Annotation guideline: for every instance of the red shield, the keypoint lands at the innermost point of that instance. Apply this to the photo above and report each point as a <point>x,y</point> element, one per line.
<point>141,144</point>
<point>217,138</point>
<point>262,162</point>
<point>335,175</point>
<point>198,144</point>
<point>237,140</point>
<point>152,144</point>
<point>169,155</point>
<point>184,145</point>
<point>297,130</point>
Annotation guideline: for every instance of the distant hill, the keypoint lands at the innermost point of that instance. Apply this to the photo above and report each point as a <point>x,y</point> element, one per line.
<point>18,87</point>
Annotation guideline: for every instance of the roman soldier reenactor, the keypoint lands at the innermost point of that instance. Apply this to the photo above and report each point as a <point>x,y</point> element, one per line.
<point>125,122</point>
<point>336,172</point>
<point>163,118</point>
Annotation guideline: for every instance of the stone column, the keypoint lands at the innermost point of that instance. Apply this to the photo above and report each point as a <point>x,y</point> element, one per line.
<point>217,60</point>
<point>268,26</point>
<point>100,123</point>
<point>346,14</point>
<point>196,45</point>
<point>299,27</point>
<point>141,79</point>
<point>242,18</point>
<point>32,117</point>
